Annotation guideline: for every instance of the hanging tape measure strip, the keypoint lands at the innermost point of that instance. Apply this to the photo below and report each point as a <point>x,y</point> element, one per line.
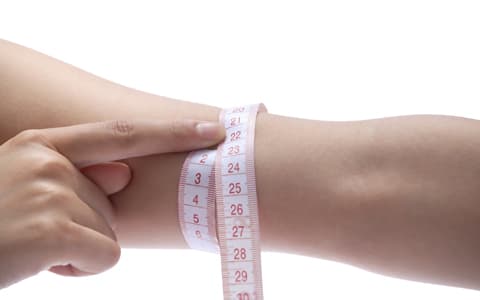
<point>218,210</point>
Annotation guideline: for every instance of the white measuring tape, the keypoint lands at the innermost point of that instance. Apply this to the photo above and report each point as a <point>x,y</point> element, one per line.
<point>218,210</point>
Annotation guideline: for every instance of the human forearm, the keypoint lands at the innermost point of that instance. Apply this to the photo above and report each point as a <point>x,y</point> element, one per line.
<point>399,196</point>
<point>376,193</point>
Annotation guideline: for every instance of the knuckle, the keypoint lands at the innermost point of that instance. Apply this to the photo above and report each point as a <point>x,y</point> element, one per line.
<point>49,225</point>
<point>122,131</point>
<point>29,136</point>
<point>63,230</point>
<point>180,129</point>
<point>51,230</point>
<point>121,128</point>
<point>52,166</point>
<point>49,197</point>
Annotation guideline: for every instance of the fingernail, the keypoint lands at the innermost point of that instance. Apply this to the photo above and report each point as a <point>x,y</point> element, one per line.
<point>209,130</point>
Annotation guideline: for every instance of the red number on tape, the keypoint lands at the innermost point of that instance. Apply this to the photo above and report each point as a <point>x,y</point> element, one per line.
<point>234,150</point>
<point>243,296</point>
<point>234,121</point>
<point>235,135</point>
<point>234,188</point>
<point>195,199</point>
<point>204,158</point>
<point>238,110</point>
<point>237,231</point>
<point>239,253</point>
<point>236,209</point>
<point>198,178</point>
<point>232,168</point>
<point>241,276</point>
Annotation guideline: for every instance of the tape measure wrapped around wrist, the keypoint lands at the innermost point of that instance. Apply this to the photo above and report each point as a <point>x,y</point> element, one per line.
<point>218,209</point>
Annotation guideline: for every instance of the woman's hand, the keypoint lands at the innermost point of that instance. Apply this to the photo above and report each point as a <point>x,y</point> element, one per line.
<point>53,216</point>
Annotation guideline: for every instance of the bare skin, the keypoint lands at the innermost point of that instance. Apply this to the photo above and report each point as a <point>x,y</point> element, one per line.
<point>398,196</point>
<point>54,208</point>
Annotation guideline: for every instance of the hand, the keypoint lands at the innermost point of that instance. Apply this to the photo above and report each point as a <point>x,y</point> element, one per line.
<point>53,216</point>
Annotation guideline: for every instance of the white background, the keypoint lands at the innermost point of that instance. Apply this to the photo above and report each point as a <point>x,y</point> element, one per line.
<point>333,60</point>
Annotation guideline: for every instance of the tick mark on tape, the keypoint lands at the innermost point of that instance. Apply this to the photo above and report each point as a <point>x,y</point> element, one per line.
<point>197,185</point>
<point>196,206</point>
<point>200,164</point>
<point>197,224</point>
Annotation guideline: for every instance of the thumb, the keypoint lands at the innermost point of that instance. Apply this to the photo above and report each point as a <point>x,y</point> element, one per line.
<point>111,177</point>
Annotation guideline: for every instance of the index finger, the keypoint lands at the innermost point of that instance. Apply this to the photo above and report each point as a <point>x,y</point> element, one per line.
<point>92,143</point>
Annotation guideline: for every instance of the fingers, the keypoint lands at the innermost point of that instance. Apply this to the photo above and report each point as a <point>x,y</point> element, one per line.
<point>92,196</point>
<point>83,214</point>
<point>110,177</point>
<point>61,178</point>
<point>92,143</point>
<point>85,251</point>
<point>83,245</point>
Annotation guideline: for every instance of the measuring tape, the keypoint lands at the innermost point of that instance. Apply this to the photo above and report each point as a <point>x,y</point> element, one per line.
<point>218,209</point>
